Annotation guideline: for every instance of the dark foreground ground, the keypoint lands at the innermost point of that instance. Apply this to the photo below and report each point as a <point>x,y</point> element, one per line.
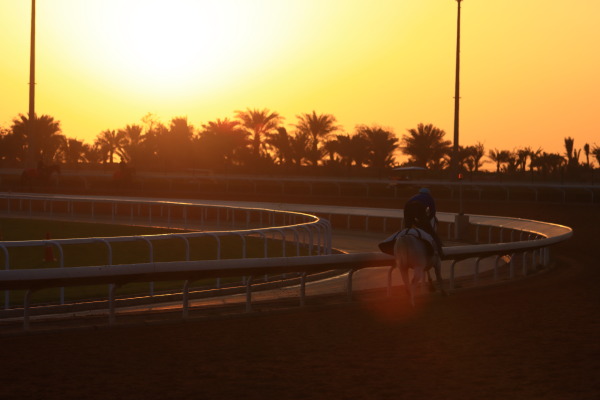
<point>537,338</point>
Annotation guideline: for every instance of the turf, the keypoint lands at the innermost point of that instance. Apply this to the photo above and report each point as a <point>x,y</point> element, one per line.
<point>77,255</point>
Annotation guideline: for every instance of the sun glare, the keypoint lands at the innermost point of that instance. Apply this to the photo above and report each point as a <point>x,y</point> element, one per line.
<point>174,47</point>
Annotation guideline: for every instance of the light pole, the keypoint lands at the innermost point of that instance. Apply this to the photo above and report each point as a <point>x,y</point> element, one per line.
<point>33,150</point>
<point>454,166</point>
<point>461,221</point>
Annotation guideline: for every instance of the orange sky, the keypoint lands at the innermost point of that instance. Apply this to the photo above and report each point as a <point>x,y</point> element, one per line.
<point>530,69</point>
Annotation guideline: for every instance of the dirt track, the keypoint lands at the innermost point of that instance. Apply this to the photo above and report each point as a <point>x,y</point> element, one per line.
<point>531,339</point>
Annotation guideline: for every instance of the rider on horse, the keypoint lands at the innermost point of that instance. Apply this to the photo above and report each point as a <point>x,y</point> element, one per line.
<point>419,212</point>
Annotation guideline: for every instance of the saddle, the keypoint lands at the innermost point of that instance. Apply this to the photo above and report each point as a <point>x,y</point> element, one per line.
<point>387,246</point>
<point>423,236</point>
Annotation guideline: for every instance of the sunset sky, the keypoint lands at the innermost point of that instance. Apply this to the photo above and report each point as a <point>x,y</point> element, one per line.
<point>530,70</point>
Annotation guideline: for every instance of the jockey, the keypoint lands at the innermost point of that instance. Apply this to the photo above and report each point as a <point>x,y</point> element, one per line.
<point>419,212</point>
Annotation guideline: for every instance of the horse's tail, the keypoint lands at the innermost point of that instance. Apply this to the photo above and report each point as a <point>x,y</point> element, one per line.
<point>401,250</point>
<point>401,253</point>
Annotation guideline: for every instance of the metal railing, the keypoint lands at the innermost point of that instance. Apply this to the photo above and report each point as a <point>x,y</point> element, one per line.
<point>297,233</point>
<point>526,240</point>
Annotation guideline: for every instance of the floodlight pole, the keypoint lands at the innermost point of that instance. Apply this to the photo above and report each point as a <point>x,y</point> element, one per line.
<point>454,160</point>
<point>461,221</point>
<point>33,150</point>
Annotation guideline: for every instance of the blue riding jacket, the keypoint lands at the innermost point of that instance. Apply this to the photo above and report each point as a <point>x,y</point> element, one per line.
<point>425,199</point>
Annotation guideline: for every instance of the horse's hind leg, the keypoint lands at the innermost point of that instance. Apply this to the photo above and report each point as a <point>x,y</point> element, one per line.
<point>431,285</point>
<point>437,266</point>
<point>407,283</point>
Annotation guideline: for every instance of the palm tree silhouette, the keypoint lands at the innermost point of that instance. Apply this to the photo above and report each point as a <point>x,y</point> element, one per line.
<point>342,145</point>
<point>93,153</point>
<point>300,147</point>
<point>223,142</point>
<point>352,149</point>
<point>476,153</point>
<point>381,145</point>
<point>318,127</point>
<point>73,151</point>
<point>425,145</point>
<point>596,153</point>
<point>132,142</point>
<point>110,141</point>
<point>499,157</point>
<point>13,147</point>
<point>48,135</point>
<point>281,144</point>
<point>258,123</point>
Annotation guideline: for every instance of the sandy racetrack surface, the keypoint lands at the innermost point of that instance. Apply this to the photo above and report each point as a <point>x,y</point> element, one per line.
<point>536,338</point>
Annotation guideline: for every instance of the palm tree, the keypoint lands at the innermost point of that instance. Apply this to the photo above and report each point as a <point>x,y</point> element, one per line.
<point>353,149</point>
<point>476,154</point>
<point>280,143</point>
<point>73,151</point>
<point>300,147</point>
<point>512,162</point>
<point>571,153</point>
<point>222,142</point>
<point>47,136</point>
<point>499,157</point>
<point>569,144</point>
<point>548,163</point>
<point>464,161</point>
<point>522,155</point>
<point>586,149</point>
<point>359,150</point>
<point>258,123</point>
<point>131,146</point>
<point>425,146</point>
<point>13,148</point>
<point>93,154</point>
<point>342,145</point>
<point>330,148</point>
<point>176,145</point>
<point>318,127</point>
<point>156,131</point>
<point>110,141</point>
<point>596,153</point>
<point>381,145</point>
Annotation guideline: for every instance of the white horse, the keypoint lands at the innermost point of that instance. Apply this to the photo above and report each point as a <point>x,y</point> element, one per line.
<point>412,252</point>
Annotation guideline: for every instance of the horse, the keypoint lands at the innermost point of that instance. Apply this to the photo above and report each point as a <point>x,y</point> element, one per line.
<point>412,251</point>
<point>40,175</point>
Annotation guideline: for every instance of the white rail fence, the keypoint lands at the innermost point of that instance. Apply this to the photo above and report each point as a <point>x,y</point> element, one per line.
<point>298,233</point>
<point>524,240</point>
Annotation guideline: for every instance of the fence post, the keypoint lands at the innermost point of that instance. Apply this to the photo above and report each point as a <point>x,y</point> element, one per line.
<point>302,289</point>
<point>185,300</point>
<point>249,294</point>
<point>151,259</point>
<point>26,305</point>
<point>111,303</point>
<point>6,267</point>
<point>452,274</point>
<point>498,257</point>
<point>512,266</point>
<point>476,276</point>
<point>349,284</point>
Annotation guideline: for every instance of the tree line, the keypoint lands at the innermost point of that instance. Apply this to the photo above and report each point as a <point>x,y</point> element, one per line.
<point>257,140</point>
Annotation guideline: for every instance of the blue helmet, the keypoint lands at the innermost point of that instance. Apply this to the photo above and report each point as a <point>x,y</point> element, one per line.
<point>425,191</point>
